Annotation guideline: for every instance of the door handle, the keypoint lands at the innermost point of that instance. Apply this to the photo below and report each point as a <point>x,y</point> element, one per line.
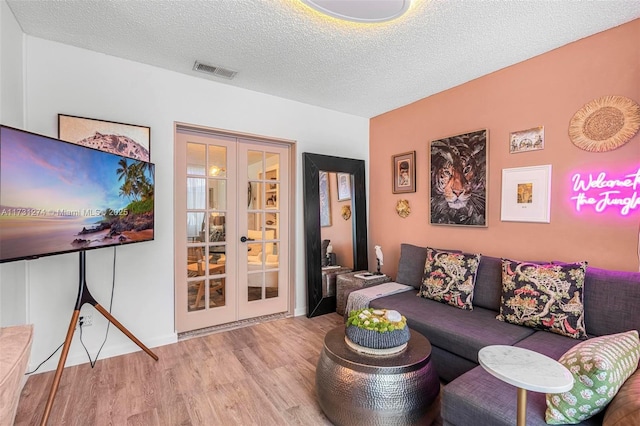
<point>244,239</point>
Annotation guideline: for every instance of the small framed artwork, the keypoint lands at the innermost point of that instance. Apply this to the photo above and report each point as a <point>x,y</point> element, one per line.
<point>526,194</point>
<point>344,186</point>
<point>459,179</point>
<point>325,200</point>
<point>404,172</point>
<point>127,140</point>
<point>527,140</point>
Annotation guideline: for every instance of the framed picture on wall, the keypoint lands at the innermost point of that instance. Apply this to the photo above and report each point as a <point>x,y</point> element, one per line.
<point>128,140</point>
<point>526,194</point>
<point>404,172</point>
<point>459,179</point>
<point>325,199</point>
<point>344,186</point>
<point>527,140</point>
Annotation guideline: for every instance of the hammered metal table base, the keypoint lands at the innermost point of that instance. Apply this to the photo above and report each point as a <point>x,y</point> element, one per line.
<point>358,389</point>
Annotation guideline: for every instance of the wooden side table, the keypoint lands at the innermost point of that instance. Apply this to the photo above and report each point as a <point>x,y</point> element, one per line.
<point>346,283</point>
<point>526,370</point>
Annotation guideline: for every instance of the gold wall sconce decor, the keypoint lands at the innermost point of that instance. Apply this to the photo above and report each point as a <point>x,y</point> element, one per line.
<point>346,212</point>
<point>402,208</point>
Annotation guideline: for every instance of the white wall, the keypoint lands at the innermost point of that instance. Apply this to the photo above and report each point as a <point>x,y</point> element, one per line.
<point>13,296</point>
<point>11,95</point>
<point>65,79</point>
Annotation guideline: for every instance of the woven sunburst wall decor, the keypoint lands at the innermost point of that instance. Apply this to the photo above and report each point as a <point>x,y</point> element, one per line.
<point>605,123</point>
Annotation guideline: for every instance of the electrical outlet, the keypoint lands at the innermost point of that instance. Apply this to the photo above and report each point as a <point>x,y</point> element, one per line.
<point>86,320</point>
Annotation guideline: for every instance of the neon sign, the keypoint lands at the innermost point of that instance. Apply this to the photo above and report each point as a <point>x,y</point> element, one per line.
<point>602,192</point>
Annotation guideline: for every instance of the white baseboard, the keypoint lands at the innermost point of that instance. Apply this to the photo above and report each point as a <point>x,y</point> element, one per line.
<point>107,352</point>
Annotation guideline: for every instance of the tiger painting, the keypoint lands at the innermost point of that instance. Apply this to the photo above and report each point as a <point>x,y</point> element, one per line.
<point>459,179</point>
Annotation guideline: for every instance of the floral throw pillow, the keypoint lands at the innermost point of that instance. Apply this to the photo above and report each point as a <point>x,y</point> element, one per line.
<point>546,297</point>
<point>450,277</point>
<point>599,366</point>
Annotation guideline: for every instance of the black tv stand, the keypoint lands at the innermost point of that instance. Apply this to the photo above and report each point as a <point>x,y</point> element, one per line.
<point>84,296</point>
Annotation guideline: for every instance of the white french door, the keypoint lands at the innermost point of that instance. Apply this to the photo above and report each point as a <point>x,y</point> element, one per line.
<point>231,228</point>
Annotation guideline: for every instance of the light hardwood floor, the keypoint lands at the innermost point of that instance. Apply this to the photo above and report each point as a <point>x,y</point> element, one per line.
<point>263,374</point>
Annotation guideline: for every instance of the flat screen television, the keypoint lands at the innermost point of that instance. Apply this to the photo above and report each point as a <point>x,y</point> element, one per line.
<point>58,197</point>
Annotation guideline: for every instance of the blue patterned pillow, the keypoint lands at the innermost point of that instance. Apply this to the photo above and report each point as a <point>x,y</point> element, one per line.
<point>546,297</point>
<point>450,277</point>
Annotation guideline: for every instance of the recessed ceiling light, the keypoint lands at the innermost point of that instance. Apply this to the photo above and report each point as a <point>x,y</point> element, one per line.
<point>361,10</point>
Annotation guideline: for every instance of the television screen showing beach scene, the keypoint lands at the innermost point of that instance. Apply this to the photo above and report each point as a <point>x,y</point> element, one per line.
<point>58,197</point>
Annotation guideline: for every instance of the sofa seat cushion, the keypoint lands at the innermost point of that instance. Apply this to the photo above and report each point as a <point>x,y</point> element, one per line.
<point>461,332</point>
<point>549,344</point>
<point>449,366</point>
<point>480,399</point>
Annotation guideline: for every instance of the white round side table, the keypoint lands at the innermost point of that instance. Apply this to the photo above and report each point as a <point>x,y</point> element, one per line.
<point>526,370</point>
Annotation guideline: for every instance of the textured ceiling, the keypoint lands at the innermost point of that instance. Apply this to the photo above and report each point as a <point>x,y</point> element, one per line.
<point>284,48</point>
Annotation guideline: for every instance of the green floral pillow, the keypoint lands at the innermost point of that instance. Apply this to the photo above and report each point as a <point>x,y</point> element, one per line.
<point>546,297</point>
<point>599,366</point>
<point>450,277</point>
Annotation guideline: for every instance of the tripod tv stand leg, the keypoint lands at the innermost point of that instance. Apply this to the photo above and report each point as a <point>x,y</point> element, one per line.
<point>84,296</point>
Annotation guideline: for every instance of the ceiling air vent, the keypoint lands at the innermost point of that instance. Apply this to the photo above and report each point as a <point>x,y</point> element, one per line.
<point>214,70</point>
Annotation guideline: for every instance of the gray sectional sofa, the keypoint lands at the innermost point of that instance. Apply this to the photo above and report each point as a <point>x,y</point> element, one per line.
<point>471,396</point>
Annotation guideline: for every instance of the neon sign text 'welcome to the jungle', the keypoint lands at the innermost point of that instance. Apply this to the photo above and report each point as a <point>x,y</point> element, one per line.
<point>603,193</point>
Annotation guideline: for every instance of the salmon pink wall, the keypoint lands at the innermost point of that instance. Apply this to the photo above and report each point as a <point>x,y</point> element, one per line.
<point>544,91</point>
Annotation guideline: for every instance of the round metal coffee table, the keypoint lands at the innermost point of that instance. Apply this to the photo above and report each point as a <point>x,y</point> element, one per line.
<point>356,389</point>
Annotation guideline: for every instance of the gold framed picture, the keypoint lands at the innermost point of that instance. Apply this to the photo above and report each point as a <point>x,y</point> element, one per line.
<point>404,172</point>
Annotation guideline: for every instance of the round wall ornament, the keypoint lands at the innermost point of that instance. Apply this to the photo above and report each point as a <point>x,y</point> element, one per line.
<point>605,123</point>
<point>346,212</point>
<point>402,208</point>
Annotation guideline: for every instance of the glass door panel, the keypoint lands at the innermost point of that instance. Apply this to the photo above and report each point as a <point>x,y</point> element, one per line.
<point>196,159</point>
<point>217,165</point>
<point>217,227</point>
<point>217,292</point>
<point>195,193</point>
<point>217,194</point>
<point>272,222</point>
<point>271,284</point>
<point>255,165</point>
<point>272,261</point>
<point>254,286</point>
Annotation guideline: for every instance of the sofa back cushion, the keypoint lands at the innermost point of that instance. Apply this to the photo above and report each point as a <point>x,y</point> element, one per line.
<point>611,301</point>
<point>411,264</point>
<point>488,287</point>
